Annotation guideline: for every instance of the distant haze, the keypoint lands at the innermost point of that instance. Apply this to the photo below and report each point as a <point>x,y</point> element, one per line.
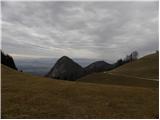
<point>43,65</point>
<point>95,30</point>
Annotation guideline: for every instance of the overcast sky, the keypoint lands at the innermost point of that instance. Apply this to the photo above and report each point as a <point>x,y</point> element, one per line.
<point>103,30</point>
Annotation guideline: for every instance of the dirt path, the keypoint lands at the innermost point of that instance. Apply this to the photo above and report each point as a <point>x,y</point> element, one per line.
<point>133,76</point>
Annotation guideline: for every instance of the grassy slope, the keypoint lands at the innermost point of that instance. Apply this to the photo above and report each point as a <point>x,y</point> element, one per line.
<point>26,96</point>
<point>146,67</point>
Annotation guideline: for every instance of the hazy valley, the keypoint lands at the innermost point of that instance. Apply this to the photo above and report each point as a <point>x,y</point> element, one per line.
<point>80,60</point>
<point>99,95</point>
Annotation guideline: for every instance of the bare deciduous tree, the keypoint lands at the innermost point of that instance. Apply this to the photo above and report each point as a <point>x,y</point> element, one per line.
<point>134,55</point>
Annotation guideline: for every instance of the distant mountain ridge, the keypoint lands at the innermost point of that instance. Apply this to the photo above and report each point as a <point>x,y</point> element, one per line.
<point>67,69</point>
<point>41,66</point>
<point>98,66</point>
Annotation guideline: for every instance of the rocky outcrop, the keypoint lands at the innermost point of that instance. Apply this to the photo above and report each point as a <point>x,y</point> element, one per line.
<point>8,61</point>
<point>66,69</point>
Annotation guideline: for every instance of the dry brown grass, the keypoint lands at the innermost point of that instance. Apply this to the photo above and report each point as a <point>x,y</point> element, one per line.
<point>147,67</point>
<point>105,78</point>
<point>130,74</point>
<point>27,96</point>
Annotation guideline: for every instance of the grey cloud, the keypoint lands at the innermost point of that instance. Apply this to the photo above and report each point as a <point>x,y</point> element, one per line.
<point>104,30</point>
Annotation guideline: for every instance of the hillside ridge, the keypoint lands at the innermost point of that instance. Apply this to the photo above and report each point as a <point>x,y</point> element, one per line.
<point>40,97</point>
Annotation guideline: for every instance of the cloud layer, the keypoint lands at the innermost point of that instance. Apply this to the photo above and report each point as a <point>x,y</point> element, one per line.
<point>104,30</point>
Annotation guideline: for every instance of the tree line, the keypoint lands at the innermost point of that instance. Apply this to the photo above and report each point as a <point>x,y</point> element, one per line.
<point>129,58</point>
